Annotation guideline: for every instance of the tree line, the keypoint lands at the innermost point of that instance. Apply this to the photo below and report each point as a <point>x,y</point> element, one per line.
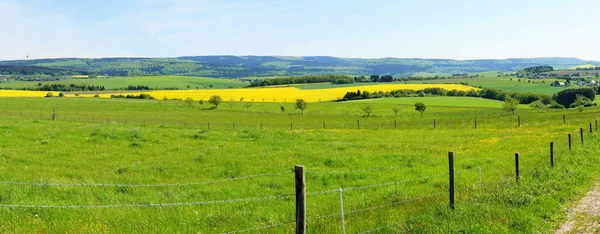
<point>563,99</point>
<point>336,79</point>
<point>70,87</point>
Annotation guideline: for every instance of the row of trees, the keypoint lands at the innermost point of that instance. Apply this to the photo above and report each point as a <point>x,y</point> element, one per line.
<point>302,80</point>
<point>133,96</point>
<point>70,87</point>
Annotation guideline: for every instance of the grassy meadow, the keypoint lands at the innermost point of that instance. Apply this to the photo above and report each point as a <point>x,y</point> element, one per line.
<point>236,174</point>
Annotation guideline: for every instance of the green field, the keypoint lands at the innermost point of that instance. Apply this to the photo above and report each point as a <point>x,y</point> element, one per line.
<point>504,84</point>
<point>393,170</point>
<point>153,82</point>
<point>439,101</point>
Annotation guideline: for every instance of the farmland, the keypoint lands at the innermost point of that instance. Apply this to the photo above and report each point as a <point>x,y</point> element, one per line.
<point>269,94</point>
<point>508,84</point>
<point>154,82</point>
<point>230,168</point>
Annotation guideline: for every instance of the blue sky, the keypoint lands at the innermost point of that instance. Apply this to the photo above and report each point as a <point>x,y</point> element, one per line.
<point>467,29</point>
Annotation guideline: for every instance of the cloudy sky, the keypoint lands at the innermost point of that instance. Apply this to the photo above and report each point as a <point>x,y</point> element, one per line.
<point>459,29</point>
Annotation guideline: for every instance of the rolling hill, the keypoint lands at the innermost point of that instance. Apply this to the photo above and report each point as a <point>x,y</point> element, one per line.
<point>245,66</point>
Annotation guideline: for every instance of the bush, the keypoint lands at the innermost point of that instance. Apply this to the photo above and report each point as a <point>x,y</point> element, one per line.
<point>49,94</point>
<point>537,104</point>
<point>568,96</point>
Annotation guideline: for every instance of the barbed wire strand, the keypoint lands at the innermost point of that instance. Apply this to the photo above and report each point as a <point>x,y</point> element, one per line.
<point>143,185</point>
<point>406,165</point>
<point>394,224</point>
<point>394,203</point>
<point>393,183</point>
<point>150,204</point>
<point>259,228</point>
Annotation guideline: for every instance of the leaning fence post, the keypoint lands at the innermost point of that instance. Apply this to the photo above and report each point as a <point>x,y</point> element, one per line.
<point>300,200</point>
<point>342,211</point>
<point>451,178</point>
<point>517,167</point>
<point>552,154</point>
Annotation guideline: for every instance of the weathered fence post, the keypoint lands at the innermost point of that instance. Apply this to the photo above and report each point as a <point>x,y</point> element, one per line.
<point>552,154</point>
<point>517,167</point>
<point>358,123</point>
<point>342,211</point>
<point>475,123</point>
<point>261,126</point>
<point>591,128</point>
<point>581,134</point>
<point>208,125</point>
<point>324,125</point>
<point>395,124</point>
<point>300,200</point>
<point>564,119</point>
<point>291,126</point>
<point>434,124</point>
<point>519,120</point>
<point>451,178</point>
<point>569,141</point>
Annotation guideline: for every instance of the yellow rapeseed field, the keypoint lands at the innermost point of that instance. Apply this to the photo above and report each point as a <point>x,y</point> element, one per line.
<point>265,94</point>
<point>19,93</point>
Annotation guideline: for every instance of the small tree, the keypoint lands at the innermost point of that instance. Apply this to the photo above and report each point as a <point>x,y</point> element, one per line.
<point>510,105</point>
<point>189,101</point>
<point>241,99</point>
<point>301,104</point>
<point>215,100</point>
<point>61,94</point>
<point>282,108</point>
<point>579,102</point>
<point>201,102</point>
<point>49,94</point>
<point>420,107</point>
<point>247,105</point>
<point>165,98</point>
<point>396,111</point>
<point>367,109</point>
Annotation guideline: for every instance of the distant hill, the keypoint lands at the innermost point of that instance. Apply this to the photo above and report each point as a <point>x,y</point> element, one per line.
<point>245,66</point>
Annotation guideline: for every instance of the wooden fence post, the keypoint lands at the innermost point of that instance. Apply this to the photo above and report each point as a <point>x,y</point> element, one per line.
<point>451,178</point>
<point>591,128</point>
<point>569,141</point>
<point>564,119</point>
<point>517,167</point>
<point>208,125</point>
<point>581,134</point>
<point>261,126</point>
<point>300,200</point>
<point>475,123</point>
<point>291,126</point>
<point>519,120</point>
<point>552,154</point>
<point>358,123</point>
<point>395,124</point>
<point>324,125</point>
<point>434,124</point>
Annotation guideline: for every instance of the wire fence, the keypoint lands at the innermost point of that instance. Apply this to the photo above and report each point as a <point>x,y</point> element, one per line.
<point>477,186</point>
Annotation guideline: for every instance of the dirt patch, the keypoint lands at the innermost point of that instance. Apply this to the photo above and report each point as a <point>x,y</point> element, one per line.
<point>585,216</point>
